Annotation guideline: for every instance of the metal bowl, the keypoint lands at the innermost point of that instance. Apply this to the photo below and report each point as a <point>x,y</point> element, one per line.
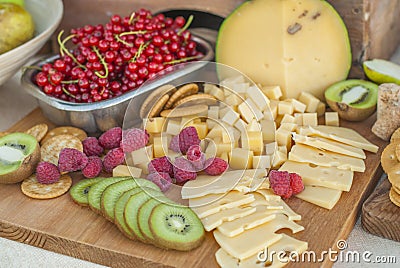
<point>100,116</point>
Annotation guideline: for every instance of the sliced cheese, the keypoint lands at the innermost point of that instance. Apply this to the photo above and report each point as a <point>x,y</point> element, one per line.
<point>320,196</point>
<point>340,134</point>
<point>241,180</point>
<point>257,238</point>
<point>292,216</point>
<point>268,194</point>
<point>261,200</point>
<point>306,154</point>
<point>329,145</point>
<point>213,203</point>
<point>214,220</point>
<point>329,177</point>
<point>286,243</point>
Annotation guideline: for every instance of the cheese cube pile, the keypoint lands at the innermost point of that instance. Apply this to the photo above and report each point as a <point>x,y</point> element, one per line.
<point>244,215</point>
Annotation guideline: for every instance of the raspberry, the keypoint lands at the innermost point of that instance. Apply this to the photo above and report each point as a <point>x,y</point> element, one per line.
<point>215,166</point>
<point>183,170</point>
<point>91,146</point>
<point>93,167</point>
<point>113,158</point>
<point>186,138</point>
<point>162,179</point>
<point>196,157</point>
<point>161,164</point>
<point>133,139</point>
<point>280,183</point>
<point>47,173</point>
<point>71,160</point>
<point>296,183</point>
<point>111,138</point>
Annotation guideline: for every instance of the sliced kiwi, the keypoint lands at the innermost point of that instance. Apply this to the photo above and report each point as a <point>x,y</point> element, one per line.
<point>19,156</point>
<point>176,227</point>
<point>144,215</point>
<point>79,191</point>
<point>94,195</point>
<point>132,209</point>
<point>115,190</point>
<point>354,100</point>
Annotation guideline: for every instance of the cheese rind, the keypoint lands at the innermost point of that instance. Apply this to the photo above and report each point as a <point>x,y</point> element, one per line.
<point>320,196</point>
<point>307,154</point>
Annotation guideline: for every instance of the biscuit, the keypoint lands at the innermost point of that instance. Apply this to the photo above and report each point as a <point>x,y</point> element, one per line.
<point>395,136</point>
<point>38,131</point>
<point>32,188</point>
<point>200,98</point>
<point>389,158</point>
<point>184,111</point>
<point>153,97</point>
<point>181,93</point>
<point>52,147</point>
<point>158,106</point>
<point>394,197</point>
<point>65,130</point>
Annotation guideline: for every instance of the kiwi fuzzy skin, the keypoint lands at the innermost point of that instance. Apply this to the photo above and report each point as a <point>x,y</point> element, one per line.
<point>349,113</point>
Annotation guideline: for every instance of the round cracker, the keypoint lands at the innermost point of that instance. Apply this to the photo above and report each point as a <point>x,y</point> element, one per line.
<point>396,189</point>
<point>38,131</point>
<point>158,106</point>
<point>181,93</point>
<point>65,130</point>
<point>395,136</point>
<point>388,157</point>
<point>195,99</point>
<point>394,175</point>
<point>32,188</point>
<point>184,111</point>
<point>153,97</point>
<point>394,197</point>
<point>52,147</point>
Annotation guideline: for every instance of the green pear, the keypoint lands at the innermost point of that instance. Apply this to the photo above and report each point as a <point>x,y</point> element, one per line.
<point>16,26</point>
<point>17,2</point>
<point>382,71</point>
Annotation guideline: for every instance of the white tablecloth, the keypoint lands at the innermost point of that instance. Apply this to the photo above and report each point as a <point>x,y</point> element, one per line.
<point>14,106</point>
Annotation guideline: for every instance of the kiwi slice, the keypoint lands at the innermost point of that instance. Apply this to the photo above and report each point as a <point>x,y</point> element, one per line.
<point>79,192</point>
<point>94,195</point>
<point>132,209</point>
<point>354,100</point>
<point>144,215</point>
<point>176,227</point>
<point>119,211</point>
<point>115,190</point>
<point>19,156</point>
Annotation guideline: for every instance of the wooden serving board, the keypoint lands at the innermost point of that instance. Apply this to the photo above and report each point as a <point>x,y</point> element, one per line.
<point>379,215</point>
<point>61,226</point>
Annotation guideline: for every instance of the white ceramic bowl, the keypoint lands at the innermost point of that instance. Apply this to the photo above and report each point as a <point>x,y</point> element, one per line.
<point>46,15</point>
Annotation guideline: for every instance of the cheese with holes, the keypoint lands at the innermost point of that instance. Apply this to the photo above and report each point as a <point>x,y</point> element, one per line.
<point>241,180</point>
<point>256,238</point>
<point>214,220</point>
<point>329,177</point>
<point>212,203</point>
<point>329,145</point>
<point>320,196</point>
<point>307,154</point>
<point>341,134</point>
<point>286,244</point>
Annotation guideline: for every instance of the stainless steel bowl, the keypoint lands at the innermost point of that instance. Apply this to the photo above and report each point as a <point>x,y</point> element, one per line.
<point>97,117</point>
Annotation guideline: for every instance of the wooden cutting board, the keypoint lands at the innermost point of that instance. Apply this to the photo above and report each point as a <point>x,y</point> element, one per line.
<point>61,226</point>
<point>379,215</point>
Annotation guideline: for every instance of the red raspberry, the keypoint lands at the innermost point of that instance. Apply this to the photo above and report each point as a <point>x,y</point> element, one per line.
<point>183,170</point>
<point>162,179</point>
<point>296,183</point>
<point>186,138</point>
<point>113,158</point>
<point>71,160</point>
<point>93,167</point>
<point>91,146</point>
<point>196,157</point>
<point>47,173</point>
<point>161,164</point>
<point>111,138</point>
<point>134,139</point>
<point>215,166</point>
<point>280,183</point>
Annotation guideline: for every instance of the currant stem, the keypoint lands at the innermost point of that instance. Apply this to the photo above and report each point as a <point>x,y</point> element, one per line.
<point>133,32</point>
<point>122,41</point>
<point>68,93</point>
<point>139,52</point>
<point>103,62</point>
<point>132,17</point>
<point>64,49</point>
<point>184,28</point>
<point>181,60</point>
<point>70,81</point>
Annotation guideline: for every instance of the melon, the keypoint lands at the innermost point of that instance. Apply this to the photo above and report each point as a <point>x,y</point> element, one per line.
<point>300,45</point>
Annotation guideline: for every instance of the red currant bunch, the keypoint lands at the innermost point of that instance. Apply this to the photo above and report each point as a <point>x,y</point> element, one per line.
<point>111,59</point>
